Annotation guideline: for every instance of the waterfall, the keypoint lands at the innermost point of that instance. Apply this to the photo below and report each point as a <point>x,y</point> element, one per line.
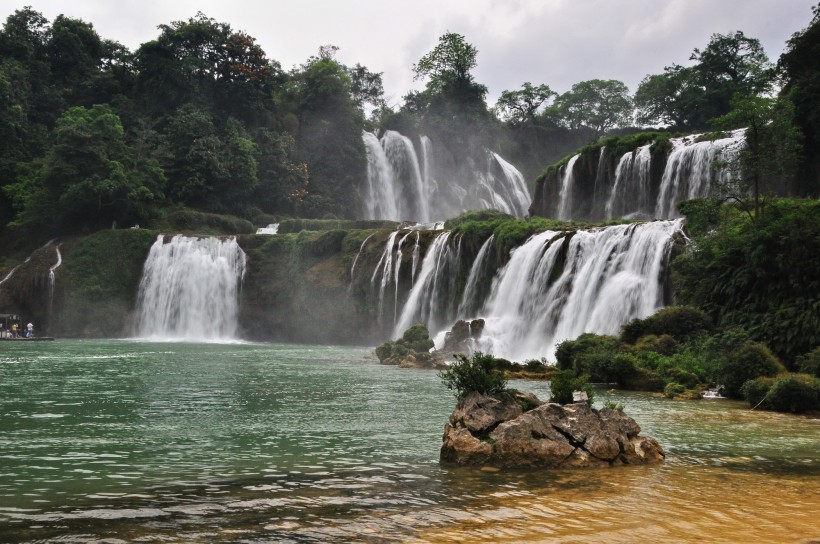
<point>189,289</point>
<point>556,287</point>
<point>690,170</point>
<point>380,198</point>
<point>356,258</point>
<point>385,264</point>
<point>565,197</point>
<point>514,189</point>
<point>630,192</point>
<point>478,272</point>
<point>431,299</point>
<point>396,275</point>
<point>415,260</point>
<point>52,279</point>
<point>401,182</point>
<point>273,228</point>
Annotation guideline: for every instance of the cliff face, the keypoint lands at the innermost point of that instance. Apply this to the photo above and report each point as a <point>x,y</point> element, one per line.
<point>582,189</point>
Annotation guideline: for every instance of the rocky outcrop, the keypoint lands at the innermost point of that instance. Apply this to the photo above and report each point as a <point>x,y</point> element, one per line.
<point>497,431</point>
<point>412,350</point>
<point>458,340</point>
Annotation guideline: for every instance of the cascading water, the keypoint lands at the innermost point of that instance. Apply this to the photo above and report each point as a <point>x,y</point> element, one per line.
<point>400,186</point>
<point>52,278</point>
<point>565,197</point>
<point>478,272</point>
<point>356,258</point>
<point>555,286</point>
<point>690,170</point>
<point>630,192</point>
<point>273,228</point>
<point>431,299</point>
<point>601,279</point>
<point>385,264</point>
<point>190,289</point>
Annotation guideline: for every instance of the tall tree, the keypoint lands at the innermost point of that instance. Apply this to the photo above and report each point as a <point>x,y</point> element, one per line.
<point>596,104</point>
<point>800,69</point>
<point>522,105</point>
<point>687,98</point>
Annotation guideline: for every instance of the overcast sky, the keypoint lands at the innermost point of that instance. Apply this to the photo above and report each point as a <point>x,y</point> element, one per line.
<point>557,42</point>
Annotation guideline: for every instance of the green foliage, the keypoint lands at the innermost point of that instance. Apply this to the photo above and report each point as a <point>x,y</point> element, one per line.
<point>679,322</point>
<point>673,389</point>
<point>596,104</point>
<point>612,405</point>
<point>565,382</point>
<point>418,338</point>
<point>687,97</point>
<point>760,276</point>
<point>801,76</point>
<point>809,363</point>
<point>414,342</point>
<point>749,361</point>
<point>108,264</point>
<point>594,356</point>
<point>794,393</point>
<point>194,221</point>
<point>522,105</point>
<point>477,373</point>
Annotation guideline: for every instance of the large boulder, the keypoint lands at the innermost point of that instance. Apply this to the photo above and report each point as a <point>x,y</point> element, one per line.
<point>496,431</point>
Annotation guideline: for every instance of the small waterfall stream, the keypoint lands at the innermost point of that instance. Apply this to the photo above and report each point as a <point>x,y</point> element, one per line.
<point>190,289</point>
<point>52,280</point>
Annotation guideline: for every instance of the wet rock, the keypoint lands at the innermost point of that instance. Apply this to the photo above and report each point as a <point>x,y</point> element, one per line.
<point>496,431</point>
<point>480,414</point>
<point>458,339</point>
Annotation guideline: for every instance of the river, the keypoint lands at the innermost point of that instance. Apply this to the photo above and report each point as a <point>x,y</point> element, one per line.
<point>128,441</point>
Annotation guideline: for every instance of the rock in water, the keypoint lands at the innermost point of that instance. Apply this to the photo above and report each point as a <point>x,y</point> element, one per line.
<point>496,431</point>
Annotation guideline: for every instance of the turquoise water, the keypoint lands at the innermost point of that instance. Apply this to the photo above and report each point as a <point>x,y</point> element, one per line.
<point>266,443</point>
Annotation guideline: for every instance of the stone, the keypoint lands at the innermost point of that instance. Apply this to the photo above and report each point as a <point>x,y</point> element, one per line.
<point>462,448</point>
<point>496,431</point>
<point>481,413</point>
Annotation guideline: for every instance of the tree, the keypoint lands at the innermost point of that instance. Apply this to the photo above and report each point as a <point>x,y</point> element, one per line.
<point>89,178</point>
<point>366,88</point>
<point>668,98</point>
<point>450,93</point>
<point>800,69</point>
<point>687,98</point>
<point>520,106</point>
<point>596,104</point>
<point>449,63</point>
<point>770,150</point>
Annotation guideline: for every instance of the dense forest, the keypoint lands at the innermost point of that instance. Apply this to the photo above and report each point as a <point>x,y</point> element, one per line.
<point>95,135</point>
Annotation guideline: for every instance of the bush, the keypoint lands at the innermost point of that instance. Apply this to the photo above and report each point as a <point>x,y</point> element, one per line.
<point>751,360</point>
<point>417,338</point>
<point>590,354</point>
<point>754,391</point>
<point>663,344</point>
<point>680,322</point>
<point>477,373</point>
<point>563,384</point>
<point>809,363</point>
<point>673,389</point>
<point>794,393</point>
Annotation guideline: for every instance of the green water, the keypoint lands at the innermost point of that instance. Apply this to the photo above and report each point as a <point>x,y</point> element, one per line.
<point>164,442</point>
